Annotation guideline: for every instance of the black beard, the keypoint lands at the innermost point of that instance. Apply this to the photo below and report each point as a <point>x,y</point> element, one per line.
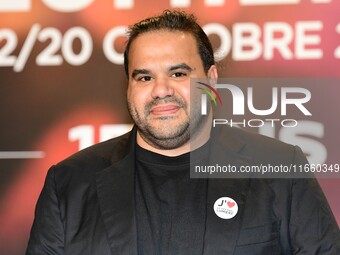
<point>176,140</point>
<point>173,138</point>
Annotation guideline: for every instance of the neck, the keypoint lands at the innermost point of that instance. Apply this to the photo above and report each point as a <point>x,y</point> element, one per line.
<point>197,140</point>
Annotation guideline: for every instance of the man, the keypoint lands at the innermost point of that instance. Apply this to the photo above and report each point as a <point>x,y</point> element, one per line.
<point>134,195</point>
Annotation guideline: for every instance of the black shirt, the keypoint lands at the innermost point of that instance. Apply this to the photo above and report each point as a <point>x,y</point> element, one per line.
<point>171,207</point>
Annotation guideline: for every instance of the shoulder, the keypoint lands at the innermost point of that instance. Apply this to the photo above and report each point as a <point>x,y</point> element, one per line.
<point>94,158</point>
<point>77,174</point>
<point>262,148</point>
<point>255,140</point>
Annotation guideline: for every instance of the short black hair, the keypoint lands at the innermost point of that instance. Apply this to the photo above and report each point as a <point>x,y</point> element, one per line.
<point>172,20</point>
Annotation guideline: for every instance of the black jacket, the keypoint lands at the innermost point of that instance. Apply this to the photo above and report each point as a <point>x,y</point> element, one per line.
<point>87,203</point>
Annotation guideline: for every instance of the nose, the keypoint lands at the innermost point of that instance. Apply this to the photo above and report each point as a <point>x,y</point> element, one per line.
<point>162,88</point>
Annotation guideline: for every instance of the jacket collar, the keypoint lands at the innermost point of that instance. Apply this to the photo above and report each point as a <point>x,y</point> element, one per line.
<point>222,234</point>
<point>115,188</point>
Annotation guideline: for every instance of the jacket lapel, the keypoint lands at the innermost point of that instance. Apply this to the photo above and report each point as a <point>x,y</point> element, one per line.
<point>222,234</point>
<point>115,189</point>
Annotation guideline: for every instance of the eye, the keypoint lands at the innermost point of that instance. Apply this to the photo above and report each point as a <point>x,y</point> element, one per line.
<point>178,74</point>
<point>144,78</point>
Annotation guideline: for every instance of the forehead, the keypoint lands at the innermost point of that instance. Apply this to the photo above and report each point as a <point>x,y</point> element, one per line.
<point>162,42</point>
<point>164,33</point>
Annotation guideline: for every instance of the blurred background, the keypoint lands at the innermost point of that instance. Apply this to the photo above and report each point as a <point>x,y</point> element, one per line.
<point>63,88</point>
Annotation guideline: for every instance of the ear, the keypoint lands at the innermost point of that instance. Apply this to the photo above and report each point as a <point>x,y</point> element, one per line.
<point>212,75</point>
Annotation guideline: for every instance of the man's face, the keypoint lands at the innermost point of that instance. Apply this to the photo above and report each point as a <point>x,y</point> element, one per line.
<point>161,64</point>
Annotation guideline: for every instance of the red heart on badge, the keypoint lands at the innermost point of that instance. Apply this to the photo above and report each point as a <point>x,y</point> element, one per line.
<point>230,204</point>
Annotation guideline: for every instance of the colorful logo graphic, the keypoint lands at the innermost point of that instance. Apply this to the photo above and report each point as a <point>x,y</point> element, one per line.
<point>209,91</point>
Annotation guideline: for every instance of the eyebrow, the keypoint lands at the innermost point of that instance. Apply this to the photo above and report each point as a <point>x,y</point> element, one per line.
<point>180,66</point>
<point>172,68</point>
<point>139,71</point>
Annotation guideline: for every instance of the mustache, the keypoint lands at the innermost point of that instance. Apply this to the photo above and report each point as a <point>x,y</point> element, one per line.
<point>158,101</point>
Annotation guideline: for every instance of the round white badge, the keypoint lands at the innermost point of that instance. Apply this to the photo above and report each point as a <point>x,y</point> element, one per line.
<point>225,208</point>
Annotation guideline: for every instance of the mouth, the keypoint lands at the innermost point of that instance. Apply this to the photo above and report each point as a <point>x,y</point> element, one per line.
<point>161,110</point>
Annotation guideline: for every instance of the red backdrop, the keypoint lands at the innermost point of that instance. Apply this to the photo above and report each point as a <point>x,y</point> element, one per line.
<point>62,85</point>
